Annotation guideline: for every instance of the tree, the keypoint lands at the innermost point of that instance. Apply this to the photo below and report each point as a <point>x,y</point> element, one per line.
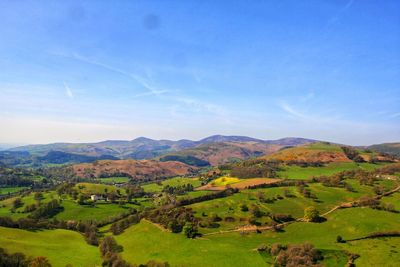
<point>81,199</point>
<point>38,196</point>
<point>311,214</point>
<point>17,203</point>
<point>190,230</point>
<point>109,245</point>
<point>339,239</point>
<point>40,262</point>
<point>244,207</point>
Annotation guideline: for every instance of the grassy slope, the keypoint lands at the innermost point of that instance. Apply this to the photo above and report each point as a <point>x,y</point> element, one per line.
<point>297,172</point>
<point>153,187</point>
<point>61,247</point>
<point>221,181</point>
<point>230,206</point>
<point>114,180</point>
<point>6,190</point>
<point>89,188</point>
<point>145,241</point>
<point>72,210</point>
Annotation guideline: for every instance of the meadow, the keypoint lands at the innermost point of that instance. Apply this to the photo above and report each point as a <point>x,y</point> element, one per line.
<point>7,190</point>
<point>61,247</point>
<point>145,241</point>
<point>304,173</point>
<point>112,180</point>
<point>157,187</point>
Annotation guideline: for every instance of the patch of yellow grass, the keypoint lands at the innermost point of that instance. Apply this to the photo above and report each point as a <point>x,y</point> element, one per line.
<point>221,181</point>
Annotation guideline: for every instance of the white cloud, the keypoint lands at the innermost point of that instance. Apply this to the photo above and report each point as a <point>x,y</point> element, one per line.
<point>68,91</point>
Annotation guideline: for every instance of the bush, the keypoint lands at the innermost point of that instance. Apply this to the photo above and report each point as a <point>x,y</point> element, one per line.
<point>311,214</point>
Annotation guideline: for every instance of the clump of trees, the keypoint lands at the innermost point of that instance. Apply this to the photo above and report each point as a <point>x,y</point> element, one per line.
<point>294,255</point>
<point>311,214</point>
<point>352,154</point>
<point>47,210</point>
<point>178,190</point>
<point>21,260</point>
<point>119,226</point>
<point>173,219</point>
<point>256,168</point>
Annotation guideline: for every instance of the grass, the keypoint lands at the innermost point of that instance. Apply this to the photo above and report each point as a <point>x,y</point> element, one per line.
<point>323,146</point>
<point>74,211</point>
<point>154,187</point>
<point>6,190</point>
<point>300,173</point>
<point>144,241</point>
<point>222,181</point>
<point>111,180</point>
<point>328,197</point>
<point>61,247</point>
<point>89,188</point>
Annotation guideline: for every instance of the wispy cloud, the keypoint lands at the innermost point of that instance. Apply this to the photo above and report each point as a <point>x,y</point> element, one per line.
<point>337,16</point>
<point>291,111</point>
<point>395,115</point>
<point>68,91</point>
<point>140,80</point>
<point>153,90</point>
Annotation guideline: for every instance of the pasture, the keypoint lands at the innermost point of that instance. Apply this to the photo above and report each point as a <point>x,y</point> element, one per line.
<point>10,190</point>
<point>112,180</point>
<point>304,173</point>
<point>177,181</point>
<point>61,247</point>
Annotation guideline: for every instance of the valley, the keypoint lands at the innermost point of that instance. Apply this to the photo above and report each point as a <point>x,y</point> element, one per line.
<point>169,213</point>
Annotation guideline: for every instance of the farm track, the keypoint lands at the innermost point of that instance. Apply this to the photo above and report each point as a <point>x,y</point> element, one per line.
<point>341,206</point>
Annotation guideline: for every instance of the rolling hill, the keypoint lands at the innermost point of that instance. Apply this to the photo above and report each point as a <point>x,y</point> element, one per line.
<point>220,153</point>
<point>197,153</point>
<point>390,148</point>
<point>137,169</point>
<point>315,152</point>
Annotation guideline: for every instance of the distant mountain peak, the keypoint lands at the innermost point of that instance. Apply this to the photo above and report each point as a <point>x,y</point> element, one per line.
<point>142,139</point>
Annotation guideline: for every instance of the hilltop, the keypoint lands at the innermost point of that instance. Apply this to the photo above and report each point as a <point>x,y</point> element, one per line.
<point>390,148</point>
<point>146,148</point>
<point>220,153</point>
<point>316,152</point>
<point>137,169</point>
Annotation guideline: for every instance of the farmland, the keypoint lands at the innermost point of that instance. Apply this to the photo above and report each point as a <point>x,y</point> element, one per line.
<point>213,219</point>
<point>61,247</point>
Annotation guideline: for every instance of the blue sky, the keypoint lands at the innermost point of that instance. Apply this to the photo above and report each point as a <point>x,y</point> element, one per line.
<point>84,71</point>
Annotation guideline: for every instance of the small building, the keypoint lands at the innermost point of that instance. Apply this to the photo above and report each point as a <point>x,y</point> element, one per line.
<point>96,197</point>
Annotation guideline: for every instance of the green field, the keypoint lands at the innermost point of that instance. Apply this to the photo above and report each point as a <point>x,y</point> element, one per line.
<point>301,173</point>
<point>61,247</point>
<point>101,211</point>
<point>72,210</point>
<point>328,197</point>
<point>145,241</point>
<point>6,190</point>
<point>112,180</point>
<point>154,187</point>
<point>89,188</point>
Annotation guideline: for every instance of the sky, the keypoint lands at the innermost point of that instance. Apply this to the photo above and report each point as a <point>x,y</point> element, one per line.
<point>86,71</point>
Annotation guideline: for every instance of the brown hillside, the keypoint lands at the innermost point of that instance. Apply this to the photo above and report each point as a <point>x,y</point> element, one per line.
<point>318,152</point>
<point>221,153</point>
<point>138,169</point>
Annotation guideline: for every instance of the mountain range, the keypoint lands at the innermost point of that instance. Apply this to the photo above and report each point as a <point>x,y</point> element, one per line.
<point>213,150</point>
